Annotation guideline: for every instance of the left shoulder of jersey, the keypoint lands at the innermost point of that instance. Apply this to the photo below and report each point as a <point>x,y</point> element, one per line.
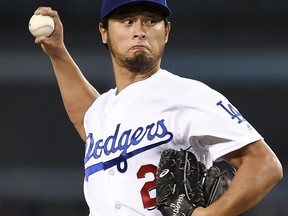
<point>180,82</point>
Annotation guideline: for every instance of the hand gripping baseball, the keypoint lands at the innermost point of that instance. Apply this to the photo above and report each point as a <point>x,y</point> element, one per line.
<point>53,45</point>
<point>179,188</point>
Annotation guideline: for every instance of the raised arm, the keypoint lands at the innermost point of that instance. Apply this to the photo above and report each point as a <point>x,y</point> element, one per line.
<point>77,93</point>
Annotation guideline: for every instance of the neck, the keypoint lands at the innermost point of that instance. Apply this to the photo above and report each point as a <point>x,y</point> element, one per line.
<point>124,77</point>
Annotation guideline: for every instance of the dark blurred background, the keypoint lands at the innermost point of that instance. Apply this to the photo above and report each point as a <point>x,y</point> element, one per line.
<point>237,47</point>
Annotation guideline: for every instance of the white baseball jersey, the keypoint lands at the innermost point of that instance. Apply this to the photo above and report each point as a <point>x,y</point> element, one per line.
<point>126,133</point>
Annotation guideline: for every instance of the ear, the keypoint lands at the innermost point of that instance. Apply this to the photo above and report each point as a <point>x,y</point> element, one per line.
<point>167,31</point>
<point>103,33</point>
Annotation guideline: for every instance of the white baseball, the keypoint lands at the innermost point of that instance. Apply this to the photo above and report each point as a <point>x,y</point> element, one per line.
<point>40,25</point>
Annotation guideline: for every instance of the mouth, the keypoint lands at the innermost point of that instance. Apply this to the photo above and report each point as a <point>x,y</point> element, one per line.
<point>139,47</point>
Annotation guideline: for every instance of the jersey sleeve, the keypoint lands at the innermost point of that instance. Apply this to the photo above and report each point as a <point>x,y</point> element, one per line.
<point>212,124</point>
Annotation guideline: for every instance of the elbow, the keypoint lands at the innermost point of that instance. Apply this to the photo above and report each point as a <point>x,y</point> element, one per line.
<point>275,170</point>
<point>272,165</point>
<point>278,171</point>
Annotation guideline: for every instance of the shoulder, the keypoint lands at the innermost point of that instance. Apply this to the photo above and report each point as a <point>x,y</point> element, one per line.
<point>184,85</point>
<point>167,76</point>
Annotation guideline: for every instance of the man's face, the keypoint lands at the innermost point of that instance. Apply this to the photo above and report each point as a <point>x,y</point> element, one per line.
<point>136,38</point>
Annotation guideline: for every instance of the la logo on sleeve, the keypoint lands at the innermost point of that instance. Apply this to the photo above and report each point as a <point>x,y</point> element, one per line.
<point>232,111</point>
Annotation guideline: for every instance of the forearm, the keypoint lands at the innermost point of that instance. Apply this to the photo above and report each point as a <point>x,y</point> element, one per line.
<point>77,93</point>
<point>241,196</point>
<point>259,170</point>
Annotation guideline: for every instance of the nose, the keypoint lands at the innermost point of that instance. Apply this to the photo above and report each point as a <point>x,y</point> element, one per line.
<point>139,32</point>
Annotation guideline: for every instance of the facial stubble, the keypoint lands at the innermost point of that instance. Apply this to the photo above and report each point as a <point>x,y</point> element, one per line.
<point>140,62</point>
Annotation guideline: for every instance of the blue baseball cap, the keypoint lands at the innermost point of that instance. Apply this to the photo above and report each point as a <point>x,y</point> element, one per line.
<point>110,6</point>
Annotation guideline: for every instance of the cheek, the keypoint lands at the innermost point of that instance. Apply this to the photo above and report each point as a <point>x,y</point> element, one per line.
<point>118,34</point>
<point>116,39</point>
<point>115,45</point>
<point>159,41</point>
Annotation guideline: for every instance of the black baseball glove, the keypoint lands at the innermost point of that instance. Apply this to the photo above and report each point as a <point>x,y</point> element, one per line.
<point>184,184</point>
<point>179,188</point>
<point>215,182</point>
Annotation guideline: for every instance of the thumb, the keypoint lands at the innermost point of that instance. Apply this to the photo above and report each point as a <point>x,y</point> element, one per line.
<point>39,40</point>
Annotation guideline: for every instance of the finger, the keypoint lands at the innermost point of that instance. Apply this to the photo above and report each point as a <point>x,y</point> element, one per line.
<point>40,40</point>
<point>43,10</point>
<point>47,11</point>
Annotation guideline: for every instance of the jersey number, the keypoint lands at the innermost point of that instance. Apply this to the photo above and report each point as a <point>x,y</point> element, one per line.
<point>148,202</point>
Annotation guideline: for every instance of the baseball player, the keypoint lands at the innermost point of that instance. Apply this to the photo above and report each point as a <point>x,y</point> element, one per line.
<point>149,110</point>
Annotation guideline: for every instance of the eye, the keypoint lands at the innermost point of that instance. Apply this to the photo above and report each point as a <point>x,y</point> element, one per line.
<point>127,21</point>
<point>150,21</point>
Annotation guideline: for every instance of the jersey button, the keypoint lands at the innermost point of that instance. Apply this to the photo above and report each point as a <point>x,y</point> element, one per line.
<point>112,172</point>
<point>117,206</point>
